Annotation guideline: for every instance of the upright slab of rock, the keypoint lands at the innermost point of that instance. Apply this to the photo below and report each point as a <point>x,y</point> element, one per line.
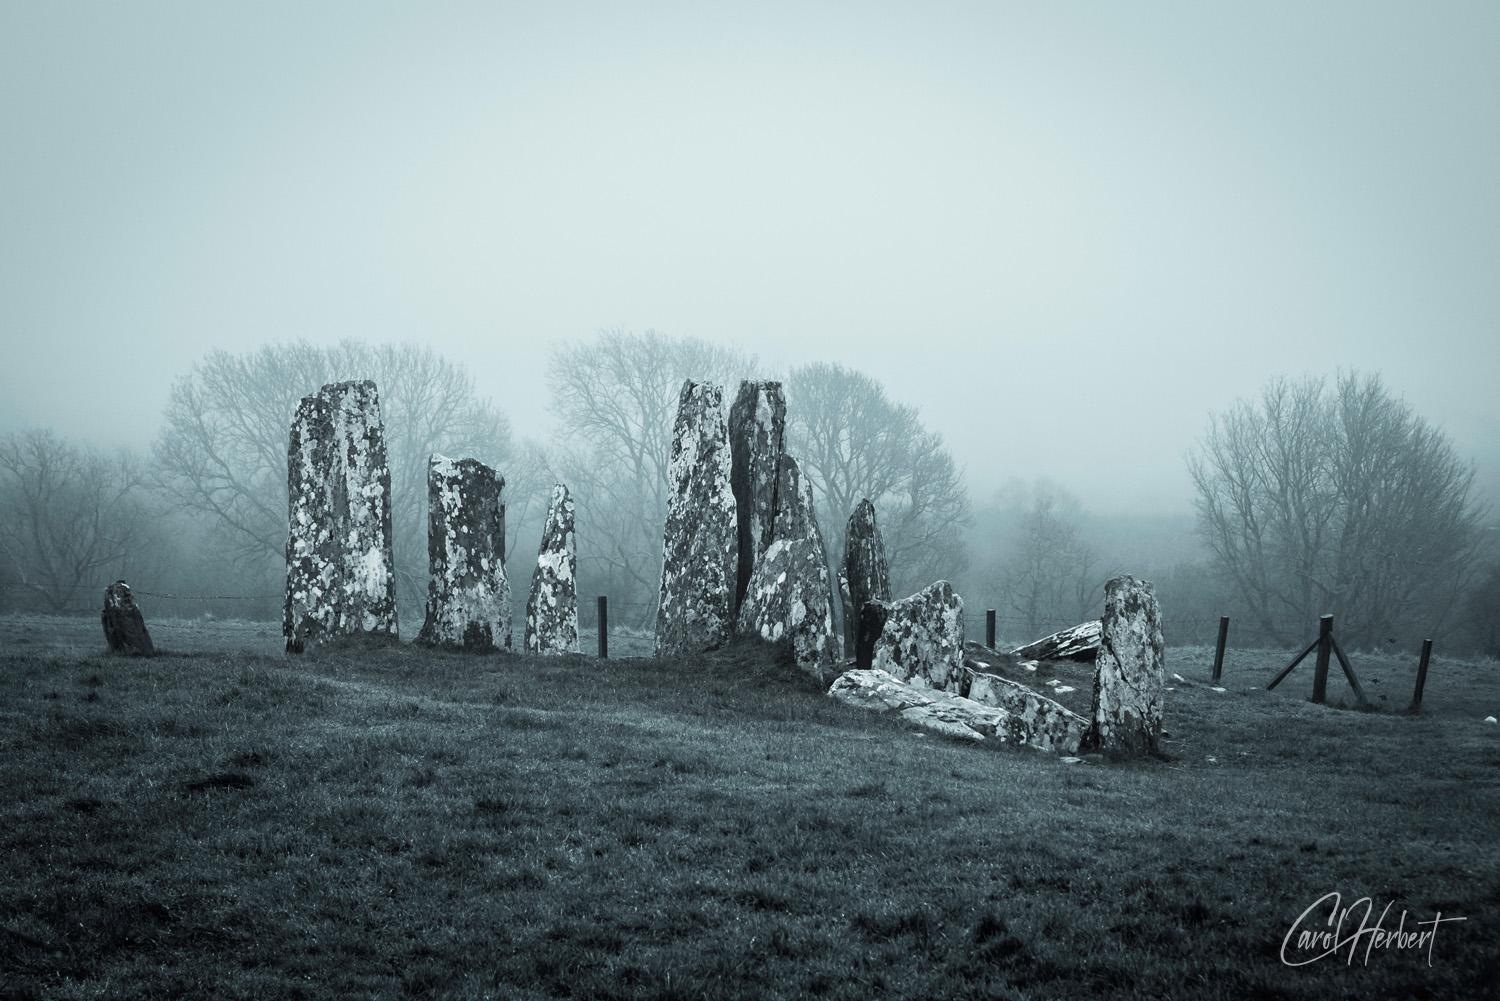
<point>339,577</point>
<point>552,607</point>
<point>468,594</point>
<point>866,577</point>
<point>124,626</point>
<point>1043,723</point>
<point>757,426</point>
<point>923,639</point>
<point>789,600</point>
<point>795,517</point>
<point>700,560</point>
<point>1129,672</point>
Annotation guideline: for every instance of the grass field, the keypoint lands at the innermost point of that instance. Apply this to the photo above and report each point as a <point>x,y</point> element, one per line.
<point>391,822</point>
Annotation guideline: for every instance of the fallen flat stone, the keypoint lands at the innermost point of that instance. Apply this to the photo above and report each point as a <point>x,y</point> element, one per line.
<point>340,579</point>
<point>940,712</point>
<point>701,539</point>
<point>757,426</point>
<point>468,593</point>
<point>1129,673</point>
<point>1081,642</point>
<point>789,601</point>
<point>923,639</point>
<point>124,626</point>
<point>552,607</point>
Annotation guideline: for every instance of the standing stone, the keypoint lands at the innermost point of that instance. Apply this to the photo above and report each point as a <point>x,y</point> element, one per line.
<point>795,518</point>
<point>124,626</point>
<point>789,600</point>
<point>866,576</point>
<point>552,608</point>
<point>923,639</point>
<point>1129,672</point>
<point>468,594</point>
<point>339,578</point>
<point>700,559</point>
<point>757,425</point>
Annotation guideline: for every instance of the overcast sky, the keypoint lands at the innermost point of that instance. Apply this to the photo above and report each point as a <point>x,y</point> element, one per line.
<point>1067,232</point>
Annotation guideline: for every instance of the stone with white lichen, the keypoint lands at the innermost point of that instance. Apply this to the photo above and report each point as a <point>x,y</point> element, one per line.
<point>922,641</point>
<point>552,607</point>
<point>1129,671</point>
<point>339,578</point>
<point>468,593</point>
<point>124,626</point>
<point>1080,642</point>
<point>1048,725</point>
<point>795,515</point>
<point>700,559</point>
<point>865,577</point>
<point>757,426</point>
<point>789,601</point>
<point>940,712</point>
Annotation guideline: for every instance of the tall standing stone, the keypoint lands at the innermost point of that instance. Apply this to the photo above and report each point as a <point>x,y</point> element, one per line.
<point>552,607</point>
<point>795,517</point>
<point>789,601</point>
<point>339,576</point>
<point>1129,672</point>
<point>124,626</point>
<point>468,594</point>
<point>757,427</point>
<point>923,638</point>
<point>700,559</point>
<point>866,577</point>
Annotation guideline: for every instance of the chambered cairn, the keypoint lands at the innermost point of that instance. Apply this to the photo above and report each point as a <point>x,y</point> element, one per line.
<point>468,594</point>
<point>1129,680</point>
<point>866,579</point>
<point>552,607</point>
<point>124,626</point>
<point>339,577</point>
<point>700,558</point>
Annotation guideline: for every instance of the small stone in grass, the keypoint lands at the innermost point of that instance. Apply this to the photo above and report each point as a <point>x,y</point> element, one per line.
<point>1491,719</point>
<point>1217,689</point>
<point>1070,761</point>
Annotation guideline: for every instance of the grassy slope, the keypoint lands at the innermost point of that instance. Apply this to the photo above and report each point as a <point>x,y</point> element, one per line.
<point>393,822</point>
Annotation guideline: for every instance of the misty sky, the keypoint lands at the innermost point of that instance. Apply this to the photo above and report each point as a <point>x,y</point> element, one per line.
<point>1067,232</point>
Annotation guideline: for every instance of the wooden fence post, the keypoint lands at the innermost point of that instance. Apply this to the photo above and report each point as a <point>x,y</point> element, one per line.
<point>1325,653</point>
<point>603,626</point>
<point>1219,650</point>
<point>989,628</point>
<point>1416,699</point>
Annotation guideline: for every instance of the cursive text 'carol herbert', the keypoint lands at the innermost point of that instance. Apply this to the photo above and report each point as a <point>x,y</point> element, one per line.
<point>1333,937</point>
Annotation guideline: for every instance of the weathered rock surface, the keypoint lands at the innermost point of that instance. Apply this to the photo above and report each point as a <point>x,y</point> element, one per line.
<point>1129,673</point>
<point>923,639</point>
<point>867,629</point>
<point>940,712</point>
<point>1042,722</point>
<point>339,576</point>
<point>865,576</point>
<point>795,517</point>
<point>124,626</point>
<point>1081,642</point>
<point>789,600</point>
<point>757,425</point>
<point>468,593</point>
<point>700,560</point>
<point>552,607</point>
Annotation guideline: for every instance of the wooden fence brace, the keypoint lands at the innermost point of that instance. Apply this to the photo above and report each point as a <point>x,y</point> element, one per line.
<point>1219,650</point>
<point>603,627</point>
<point>1295,661</point>
<point>989,628</point>
<point>1416,698</point>
<point>1349,672</point>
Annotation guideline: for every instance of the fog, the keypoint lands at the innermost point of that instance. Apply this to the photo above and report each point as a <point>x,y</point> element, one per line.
<point>1067,234</point>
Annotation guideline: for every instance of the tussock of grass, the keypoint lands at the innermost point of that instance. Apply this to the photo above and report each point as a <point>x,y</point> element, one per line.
<point>391,822</point>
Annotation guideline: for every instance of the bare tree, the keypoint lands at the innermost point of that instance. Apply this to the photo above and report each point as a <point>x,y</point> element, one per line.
<point>616,398</point>
<point>71,520</point>
<point>1339,502</point>
<point>222,451</point>
<point>854,442</point>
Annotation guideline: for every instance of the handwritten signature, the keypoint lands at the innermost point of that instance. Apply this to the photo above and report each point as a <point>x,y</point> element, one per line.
<point>1332,938</point>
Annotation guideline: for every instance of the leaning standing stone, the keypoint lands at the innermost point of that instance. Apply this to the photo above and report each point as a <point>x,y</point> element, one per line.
<point>339,577</point>
<point>866,576</point>
<point>552,608</point>
<point>757,425</point>
<point>700,558</point>
<point>124,626</point>
<point>923,639</point>
<point>795,518</point>
<point>1129,673</point>
<point>789,601</point>
<point>468,594</point>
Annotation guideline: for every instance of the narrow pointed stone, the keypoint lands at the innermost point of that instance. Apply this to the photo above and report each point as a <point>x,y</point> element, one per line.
<point>468,594</point>
<point>866,575</point>
<point>757,427</point>
<point>552,607</point>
